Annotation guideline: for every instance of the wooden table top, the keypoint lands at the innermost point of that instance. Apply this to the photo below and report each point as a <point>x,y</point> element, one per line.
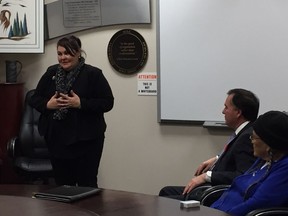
<point>106,203</point>
<point>26,206</point>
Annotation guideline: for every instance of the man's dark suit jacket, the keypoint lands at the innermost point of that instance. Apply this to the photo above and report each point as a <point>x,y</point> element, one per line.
<point>237,158</point>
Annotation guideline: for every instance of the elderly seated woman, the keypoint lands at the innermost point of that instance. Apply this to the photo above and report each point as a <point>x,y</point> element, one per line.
<point>265,184</point>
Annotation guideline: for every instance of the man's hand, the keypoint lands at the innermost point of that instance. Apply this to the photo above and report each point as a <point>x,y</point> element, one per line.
<point>194,182</point>
<point>205,166</point>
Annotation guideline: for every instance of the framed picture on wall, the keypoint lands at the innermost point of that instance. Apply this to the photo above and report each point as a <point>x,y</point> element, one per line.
<point>21,26</point>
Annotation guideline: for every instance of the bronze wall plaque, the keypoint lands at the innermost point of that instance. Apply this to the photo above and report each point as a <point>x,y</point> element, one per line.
<point>127,51</point>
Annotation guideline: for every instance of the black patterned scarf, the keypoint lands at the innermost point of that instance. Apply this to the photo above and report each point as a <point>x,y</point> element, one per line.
<point>64,81</point>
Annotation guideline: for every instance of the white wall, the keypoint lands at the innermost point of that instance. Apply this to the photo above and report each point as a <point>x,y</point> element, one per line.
<point>140,155</point>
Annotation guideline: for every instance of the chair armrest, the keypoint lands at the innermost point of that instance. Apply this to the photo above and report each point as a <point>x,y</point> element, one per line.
<point>197,192</point>
<point>11,147</point>
<point>212,194</point>
<point>269,211</point>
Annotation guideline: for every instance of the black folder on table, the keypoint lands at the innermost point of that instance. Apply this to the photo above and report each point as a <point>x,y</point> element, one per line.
<point>66,193</point>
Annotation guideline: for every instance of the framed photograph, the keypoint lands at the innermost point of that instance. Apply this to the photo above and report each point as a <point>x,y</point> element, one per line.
<point>21,26</point>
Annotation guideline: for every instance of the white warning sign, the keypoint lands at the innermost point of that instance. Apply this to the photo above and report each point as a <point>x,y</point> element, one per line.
<point>147,83</point>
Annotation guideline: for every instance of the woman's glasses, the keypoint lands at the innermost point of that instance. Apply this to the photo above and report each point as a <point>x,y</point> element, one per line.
<point>254,138</point>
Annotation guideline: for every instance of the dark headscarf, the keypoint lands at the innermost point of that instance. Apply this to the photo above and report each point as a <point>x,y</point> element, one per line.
<point>272,128</point>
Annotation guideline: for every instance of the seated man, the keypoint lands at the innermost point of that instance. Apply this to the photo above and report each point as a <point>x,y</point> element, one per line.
<point>265,184</point>
<point>240,110</point>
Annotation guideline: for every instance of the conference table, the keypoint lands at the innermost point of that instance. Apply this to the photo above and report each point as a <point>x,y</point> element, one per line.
<point>16,199</point>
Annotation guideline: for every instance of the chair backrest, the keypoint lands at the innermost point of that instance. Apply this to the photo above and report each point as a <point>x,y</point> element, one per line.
<point>32,145</point>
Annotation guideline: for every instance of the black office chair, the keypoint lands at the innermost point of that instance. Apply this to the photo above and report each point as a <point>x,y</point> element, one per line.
<point>29,153</point>
<point>197,192</point>
<point>214,193</point>
<point>269,211</point>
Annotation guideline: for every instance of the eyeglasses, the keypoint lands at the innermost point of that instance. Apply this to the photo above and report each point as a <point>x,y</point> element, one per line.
<point>253,138</point>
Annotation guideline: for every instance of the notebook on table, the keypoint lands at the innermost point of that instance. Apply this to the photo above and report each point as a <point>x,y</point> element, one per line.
<point>66,193</point>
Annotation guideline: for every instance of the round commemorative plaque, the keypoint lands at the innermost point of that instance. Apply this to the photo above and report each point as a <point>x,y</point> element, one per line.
<point>127,51</point>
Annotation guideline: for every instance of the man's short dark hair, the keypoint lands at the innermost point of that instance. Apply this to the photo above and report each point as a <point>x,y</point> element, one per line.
<point>246,101</point>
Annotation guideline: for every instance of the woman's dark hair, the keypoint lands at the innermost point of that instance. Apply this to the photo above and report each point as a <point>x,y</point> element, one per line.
<point>246,101</point>
<point>71,43</point>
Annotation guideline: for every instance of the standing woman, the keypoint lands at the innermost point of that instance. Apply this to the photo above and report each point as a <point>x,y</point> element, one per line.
<point>72,98</point>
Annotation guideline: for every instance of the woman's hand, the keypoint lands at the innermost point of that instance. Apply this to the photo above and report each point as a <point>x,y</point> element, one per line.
<point>62,101</point>
<point>52,103</point>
